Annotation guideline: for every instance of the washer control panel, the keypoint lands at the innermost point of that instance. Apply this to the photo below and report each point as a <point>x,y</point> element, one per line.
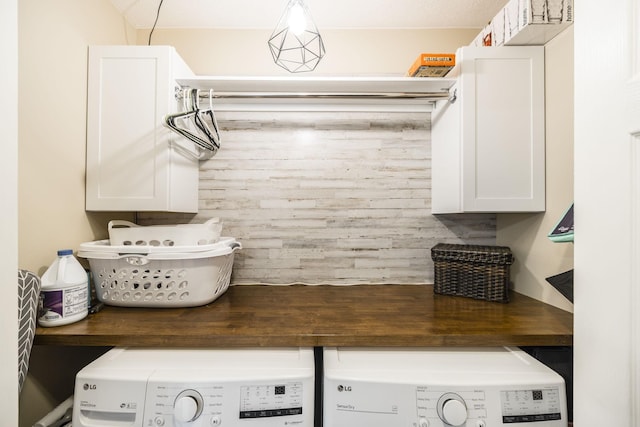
<point>193,387</point>
<point>264,401</point>
<point>199,405</point>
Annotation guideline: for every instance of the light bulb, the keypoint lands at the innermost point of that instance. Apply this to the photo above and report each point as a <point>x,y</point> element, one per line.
<point>297,21</point>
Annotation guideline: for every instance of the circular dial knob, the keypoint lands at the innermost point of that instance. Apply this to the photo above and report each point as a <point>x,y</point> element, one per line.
<point>187,406</point>
<point>452,409</point>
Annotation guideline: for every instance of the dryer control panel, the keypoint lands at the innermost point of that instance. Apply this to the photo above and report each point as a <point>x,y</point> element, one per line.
<point>375,405</point>
<point>415,388</point>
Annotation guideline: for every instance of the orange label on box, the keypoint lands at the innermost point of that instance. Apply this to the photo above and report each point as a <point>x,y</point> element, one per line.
<point>432,65</point>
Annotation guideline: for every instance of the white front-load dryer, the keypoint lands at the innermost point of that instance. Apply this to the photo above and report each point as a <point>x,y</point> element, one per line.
<point>150,387</point>
<point>440,387</point>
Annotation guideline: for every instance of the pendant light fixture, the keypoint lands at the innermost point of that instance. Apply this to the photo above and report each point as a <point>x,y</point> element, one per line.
<point>296,44</point>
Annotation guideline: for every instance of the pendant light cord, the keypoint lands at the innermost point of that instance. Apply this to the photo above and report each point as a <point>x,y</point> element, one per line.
<point>155,22</point>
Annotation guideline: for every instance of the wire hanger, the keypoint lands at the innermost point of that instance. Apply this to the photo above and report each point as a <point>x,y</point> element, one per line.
<point>192,124</point>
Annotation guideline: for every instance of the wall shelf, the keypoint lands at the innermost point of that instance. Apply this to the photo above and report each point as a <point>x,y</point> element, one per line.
<point>317,93</point>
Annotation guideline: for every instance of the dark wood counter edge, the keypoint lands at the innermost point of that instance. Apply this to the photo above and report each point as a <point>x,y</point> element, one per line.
<point>549,326</point>
<point>308,341</point>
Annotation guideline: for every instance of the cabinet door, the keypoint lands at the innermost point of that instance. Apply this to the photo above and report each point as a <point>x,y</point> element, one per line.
<point>502,90</point>
<point>134,163</point>
<point>499,165</point>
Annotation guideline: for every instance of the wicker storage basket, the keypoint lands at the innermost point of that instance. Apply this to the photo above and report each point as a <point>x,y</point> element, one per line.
<point>473,271</point>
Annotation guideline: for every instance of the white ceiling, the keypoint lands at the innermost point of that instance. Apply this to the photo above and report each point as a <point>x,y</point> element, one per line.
<point>327,14</point>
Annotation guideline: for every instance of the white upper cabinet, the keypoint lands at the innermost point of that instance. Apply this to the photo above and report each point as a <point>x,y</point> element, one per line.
<point>488,146</point>
<point>134,163</point>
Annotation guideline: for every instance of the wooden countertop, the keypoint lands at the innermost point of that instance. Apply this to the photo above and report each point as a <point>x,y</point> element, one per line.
<point>361,315</point>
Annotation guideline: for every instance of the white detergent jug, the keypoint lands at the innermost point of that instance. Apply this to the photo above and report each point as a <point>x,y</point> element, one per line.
<point>64,291</point>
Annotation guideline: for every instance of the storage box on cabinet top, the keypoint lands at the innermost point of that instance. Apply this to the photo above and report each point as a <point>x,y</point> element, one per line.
<point>473,271</point>
<point>162,276</point>
<point>526,22</point>
<point>432,65</point>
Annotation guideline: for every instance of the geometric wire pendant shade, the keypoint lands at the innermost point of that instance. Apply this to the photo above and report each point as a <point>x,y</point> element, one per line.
<point>296,44</point>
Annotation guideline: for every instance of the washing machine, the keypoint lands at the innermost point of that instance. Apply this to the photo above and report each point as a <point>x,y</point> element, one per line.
<point>440,387</point>
<point>148,387</point>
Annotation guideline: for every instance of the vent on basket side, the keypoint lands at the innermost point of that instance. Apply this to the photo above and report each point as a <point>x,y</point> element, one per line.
<point>125,233</point>
<point>154,242</point>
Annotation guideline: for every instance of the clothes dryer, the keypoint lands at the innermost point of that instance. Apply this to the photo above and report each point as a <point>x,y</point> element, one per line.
<point>440,387</point>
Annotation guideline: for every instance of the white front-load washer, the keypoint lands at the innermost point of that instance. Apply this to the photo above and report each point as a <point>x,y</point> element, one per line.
<point>149,387</point>
<point>440,387</point>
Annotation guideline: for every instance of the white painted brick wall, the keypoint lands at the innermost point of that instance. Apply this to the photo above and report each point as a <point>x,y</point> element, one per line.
<point>328,197</point>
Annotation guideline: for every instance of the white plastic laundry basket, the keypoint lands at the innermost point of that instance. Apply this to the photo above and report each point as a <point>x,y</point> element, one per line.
<point>176,276</point>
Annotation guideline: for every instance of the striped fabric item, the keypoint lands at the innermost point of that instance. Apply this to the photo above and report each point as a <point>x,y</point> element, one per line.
<point>28,295</point>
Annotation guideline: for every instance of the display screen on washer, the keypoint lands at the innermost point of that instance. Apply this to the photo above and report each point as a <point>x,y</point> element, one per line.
<point>278,400</point>
<point>528,406</point>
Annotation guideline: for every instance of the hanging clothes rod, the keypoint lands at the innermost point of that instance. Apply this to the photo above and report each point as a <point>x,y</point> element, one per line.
<point>349,89</point>
<point>319,95</point>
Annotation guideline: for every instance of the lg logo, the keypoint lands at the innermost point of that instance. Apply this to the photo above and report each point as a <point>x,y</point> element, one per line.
<point>89,386</point>
<point>344,388</point>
